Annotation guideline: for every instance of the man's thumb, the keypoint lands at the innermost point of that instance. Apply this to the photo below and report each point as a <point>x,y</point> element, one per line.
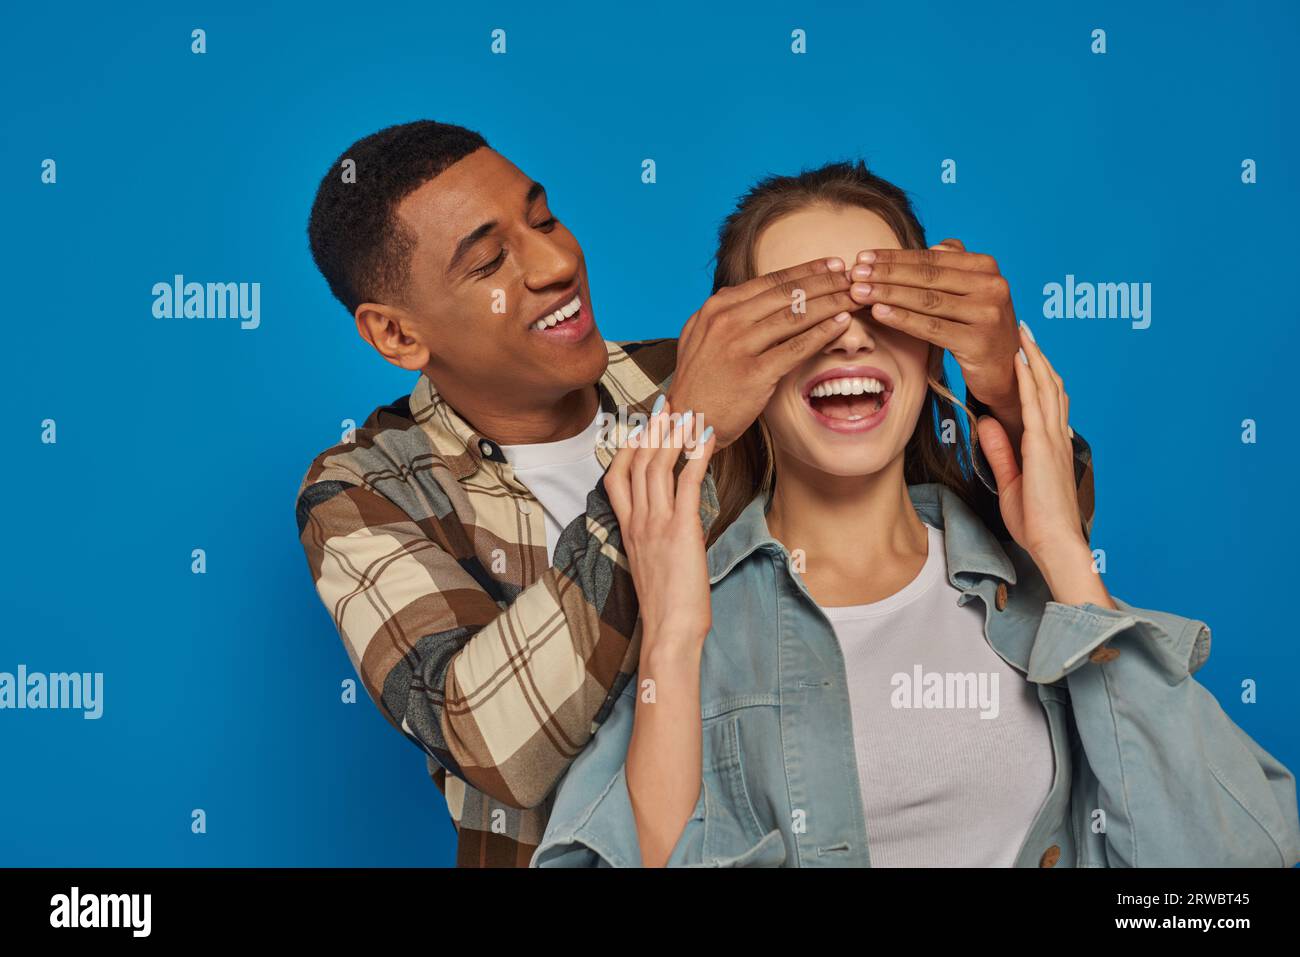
<point>998,451</point>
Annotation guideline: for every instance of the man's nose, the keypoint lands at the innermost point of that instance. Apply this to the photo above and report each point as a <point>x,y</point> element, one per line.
<point>547,261</point>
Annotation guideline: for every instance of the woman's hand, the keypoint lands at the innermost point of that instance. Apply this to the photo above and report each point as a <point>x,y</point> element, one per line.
<point>659,517</point>
<point>1040,504</point>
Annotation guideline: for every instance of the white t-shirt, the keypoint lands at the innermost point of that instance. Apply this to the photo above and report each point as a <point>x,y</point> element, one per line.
<point>560,475</point>
<point>953,747</point>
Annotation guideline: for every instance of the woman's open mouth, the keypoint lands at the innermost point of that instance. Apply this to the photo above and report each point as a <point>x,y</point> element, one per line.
<point>850,399</point>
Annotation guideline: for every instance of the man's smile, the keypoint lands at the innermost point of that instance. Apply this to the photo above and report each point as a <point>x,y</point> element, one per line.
<point>558,314</point>
<point>567,322</point>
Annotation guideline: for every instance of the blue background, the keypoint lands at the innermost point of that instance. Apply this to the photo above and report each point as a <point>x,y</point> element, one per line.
<point>222,691</point>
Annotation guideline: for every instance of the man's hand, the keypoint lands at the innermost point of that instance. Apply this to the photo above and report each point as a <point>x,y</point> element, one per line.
<point>745,338</point>
<point>960,302</point>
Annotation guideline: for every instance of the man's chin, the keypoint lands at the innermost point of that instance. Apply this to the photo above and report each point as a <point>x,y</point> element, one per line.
<point>573,365</point>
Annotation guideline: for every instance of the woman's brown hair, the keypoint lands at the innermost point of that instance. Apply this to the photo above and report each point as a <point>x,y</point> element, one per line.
<point>746,467</point>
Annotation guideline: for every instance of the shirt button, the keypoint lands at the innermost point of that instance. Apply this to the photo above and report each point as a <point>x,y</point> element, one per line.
<point>1000,599</point>
<point>1050,857</point>
<point>485,448</point>
<point>1103,654</point>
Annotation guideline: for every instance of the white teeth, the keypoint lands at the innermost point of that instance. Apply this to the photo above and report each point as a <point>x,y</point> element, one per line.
<point>847,386</point>
<point>566,311</point>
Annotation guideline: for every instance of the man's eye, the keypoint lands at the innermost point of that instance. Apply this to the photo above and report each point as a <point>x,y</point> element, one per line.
<point>546,225</point>
<point>491,267</point>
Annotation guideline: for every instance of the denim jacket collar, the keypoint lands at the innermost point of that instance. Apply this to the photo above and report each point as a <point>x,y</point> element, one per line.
<point>971,551</point>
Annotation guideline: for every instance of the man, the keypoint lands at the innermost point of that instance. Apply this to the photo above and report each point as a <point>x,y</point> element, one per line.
<point>463,543</point>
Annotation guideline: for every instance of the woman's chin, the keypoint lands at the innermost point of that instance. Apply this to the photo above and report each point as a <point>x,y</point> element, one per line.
<point>848,462</point>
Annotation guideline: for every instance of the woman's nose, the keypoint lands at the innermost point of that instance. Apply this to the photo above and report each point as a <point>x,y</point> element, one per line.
<point>855,338</point>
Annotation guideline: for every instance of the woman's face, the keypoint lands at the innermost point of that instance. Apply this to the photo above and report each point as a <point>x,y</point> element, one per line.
<point>851,408</point>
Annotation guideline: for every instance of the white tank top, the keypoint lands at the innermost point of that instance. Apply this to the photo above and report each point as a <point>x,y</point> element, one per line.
<point>953,747</point>
<point>560,475</point>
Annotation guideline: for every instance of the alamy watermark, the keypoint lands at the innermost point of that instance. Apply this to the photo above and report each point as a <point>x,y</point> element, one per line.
<point>75,909</point>
<point>946,689</point>
<point>36,691</point>
<point>179,299</point>
<point>614,429</point>
<point>1098,300</point>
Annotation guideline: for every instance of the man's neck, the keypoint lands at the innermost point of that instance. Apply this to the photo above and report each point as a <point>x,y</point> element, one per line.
<point>507,420</point>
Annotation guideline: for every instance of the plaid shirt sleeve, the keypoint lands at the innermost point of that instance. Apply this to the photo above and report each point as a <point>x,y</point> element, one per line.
<point>500,675</point>
<point>502,698</point>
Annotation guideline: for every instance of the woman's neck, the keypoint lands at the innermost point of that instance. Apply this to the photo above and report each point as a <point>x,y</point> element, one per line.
<point>854,539</point>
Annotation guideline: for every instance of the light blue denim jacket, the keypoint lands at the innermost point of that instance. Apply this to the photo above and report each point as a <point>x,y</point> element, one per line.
<point>1149,770</point>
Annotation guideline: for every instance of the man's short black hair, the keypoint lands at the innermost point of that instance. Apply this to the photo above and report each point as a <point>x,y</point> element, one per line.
<point>359,245</point>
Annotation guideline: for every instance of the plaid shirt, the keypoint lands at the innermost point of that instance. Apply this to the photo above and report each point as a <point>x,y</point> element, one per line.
<point>431,557</point>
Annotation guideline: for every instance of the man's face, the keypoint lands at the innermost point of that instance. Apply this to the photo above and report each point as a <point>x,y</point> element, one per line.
<point>498,287</point>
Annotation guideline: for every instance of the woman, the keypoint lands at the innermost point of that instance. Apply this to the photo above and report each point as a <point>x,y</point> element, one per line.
<point>857,671</point>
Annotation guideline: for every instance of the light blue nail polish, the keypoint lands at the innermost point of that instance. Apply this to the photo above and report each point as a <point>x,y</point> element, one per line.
<point>1023,358</point>
<point>706,435</point>
<point>659,404</point>
<point>634,433</point>
<point>687,416</point>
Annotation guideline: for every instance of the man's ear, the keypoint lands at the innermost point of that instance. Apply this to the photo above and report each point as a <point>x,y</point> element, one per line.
<point>388,329</point>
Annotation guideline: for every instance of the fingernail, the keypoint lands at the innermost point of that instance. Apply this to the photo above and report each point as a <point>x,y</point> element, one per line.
<point>860,290</point>
<point>1029,332</point>
<point>861,271</point>
<point>634,433</point>
<point>880,309</point>
<point>686,417</point>
<point>835,264</point>
<point>1023,357</point>
<point>842,317</point>
<point>1071,433</point>
<point>706,435</point>
<point>659,404</point>
<point>867,256</point>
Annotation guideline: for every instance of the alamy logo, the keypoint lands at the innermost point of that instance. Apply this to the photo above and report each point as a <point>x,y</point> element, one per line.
<point>103,910</point>
<point>1100,300</point>
<point>179,299</point>
<point>614,429</point>
<point>946,689</point>
<point>36,691</point>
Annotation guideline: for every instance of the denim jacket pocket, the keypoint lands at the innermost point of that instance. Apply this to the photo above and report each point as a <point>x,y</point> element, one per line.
<point>732,833</point>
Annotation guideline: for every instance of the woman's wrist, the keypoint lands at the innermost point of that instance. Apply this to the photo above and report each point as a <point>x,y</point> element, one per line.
<point>1071,575</point>
<point>671,647</point>
<point>672,633</point>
